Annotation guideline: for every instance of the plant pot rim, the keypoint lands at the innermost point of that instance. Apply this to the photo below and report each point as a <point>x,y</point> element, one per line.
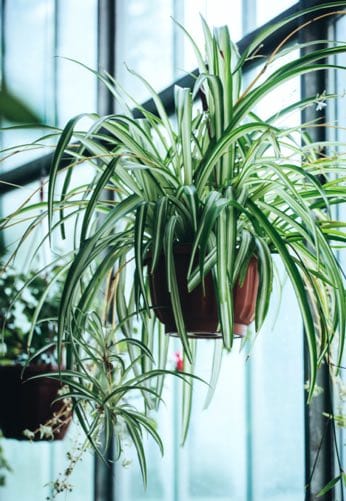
<point>181,248</point>
<point>178,248</point>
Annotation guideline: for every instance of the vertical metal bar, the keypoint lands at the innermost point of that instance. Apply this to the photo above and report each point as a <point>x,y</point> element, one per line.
<point>335,115</point>
<point>106,52</point>
<point>319,467</point>
<point>104,474</point>
<point>104,477</point>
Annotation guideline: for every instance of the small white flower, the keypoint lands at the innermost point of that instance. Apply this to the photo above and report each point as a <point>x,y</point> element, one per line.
<point>3,349</point>
<point>63,390</point>
<point>20,319</point>
<point>320,101</point>
<point>18,283</point>
<point>320,105</point>
<point>126,463</point>
<point>18,308</point>
<point>318,390</point>
<point>29,434</point>
<point>46,431</point>
<point>28,298</point>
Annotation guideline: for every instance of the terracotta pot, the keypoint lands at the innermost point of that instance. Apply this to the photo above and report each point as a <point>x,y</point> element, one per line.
<point>200,311</point>
<point>27,405</point>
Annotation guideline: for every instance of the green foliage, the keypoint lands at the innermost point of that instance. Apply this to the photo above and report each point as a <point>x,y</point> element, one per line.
<point>15,110</point>
<point>111,398</point>
<point>327,488</point>
<point>214,177</point>
<point>28,309</point>
<point>218,176</point>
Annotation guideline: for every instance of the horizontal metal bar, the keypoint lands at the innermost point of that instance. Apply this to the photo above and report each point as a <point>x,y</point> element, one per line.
<point>28,173</point>
<point>167,95</point>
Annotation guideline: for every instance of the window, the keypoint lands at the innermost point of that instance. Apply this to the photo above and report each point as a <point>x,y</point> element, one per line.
<point>252,443</point>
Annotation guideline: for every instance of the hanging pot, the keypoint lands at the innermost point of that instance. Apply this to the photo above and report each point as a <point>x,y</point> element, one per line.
<point>25,405</point>
<point>200,309</point>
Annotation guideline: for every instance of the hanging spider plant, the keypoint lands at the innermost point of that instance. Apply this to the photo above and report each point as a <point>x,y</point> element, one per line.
<point>112,397</point>
<point>217,177</point>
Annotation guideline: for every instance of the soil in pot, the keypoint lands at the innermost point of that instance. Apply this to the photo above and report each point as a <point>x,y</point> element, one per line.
<point>28,404</point>
<point>200,310</point>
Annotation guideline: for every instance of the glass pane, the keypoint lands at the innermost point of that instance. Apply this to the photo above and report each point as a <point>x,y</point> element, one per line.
<point>29,57</point>
<point>161,470</point>
<point>50,85</point>
<point>141,47</point>
<point>267,10</point>
<point>145,44</point>
<point>216,13</point>
<point>276,401</point>
<point>31,471</point>
<point>77,87</point>
<point>37,465</point>
<point>29,67</point>
<point>213,463</point>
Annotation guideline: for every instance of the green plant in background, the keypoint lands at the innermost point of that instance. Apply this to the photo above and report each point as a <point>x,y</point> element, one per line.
<point>113,397</point>
<point>28,315</point>
<point>229,182</point>
<point>14,109</point>
<point>28,322</point>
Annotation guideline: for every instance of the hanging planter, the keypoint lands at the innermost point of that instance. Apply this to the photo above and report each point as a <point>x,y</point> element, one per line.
<point>28,410</point>
<point>232,183</point>
<point>199,307</point>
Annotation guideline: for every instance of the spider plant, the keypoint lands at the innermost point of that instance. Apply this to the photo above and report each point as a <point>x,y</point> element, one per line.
<point>218,176</point>
<point>112,398</point>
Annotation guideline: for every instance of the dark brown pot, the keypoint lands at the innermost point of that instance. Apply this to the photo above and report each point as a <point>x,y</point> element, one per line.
<point>27,405</point>
<point>199,310</point>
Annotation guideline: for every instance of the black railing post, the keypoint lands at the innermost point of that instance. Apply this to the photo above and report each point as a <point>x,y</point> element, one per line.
<point>104,473</point>
<point>319,464</point>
